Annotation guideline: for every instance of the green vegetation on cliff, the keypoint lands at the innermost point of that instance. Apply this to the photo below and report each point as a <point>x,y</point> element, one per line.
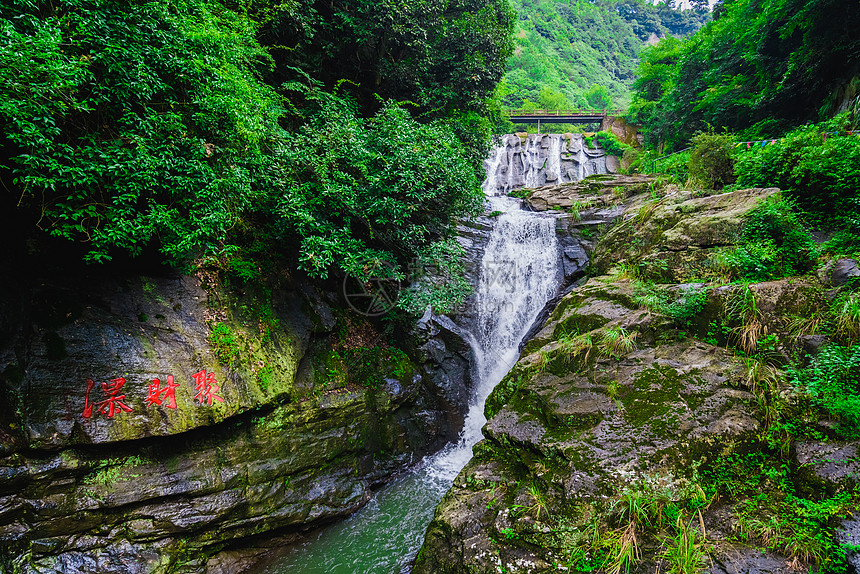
<point>166,127</point>
<point>760,68</point>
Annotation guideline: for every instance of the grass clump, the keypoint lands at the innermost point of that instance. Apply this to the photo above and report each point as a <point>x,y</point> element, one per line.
<point>682,306</point>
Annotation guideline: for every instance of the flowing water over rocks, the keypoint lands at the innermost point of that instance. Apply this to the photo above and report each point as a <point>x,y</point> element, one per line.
<point>539,159</point>
<point>519,274</point>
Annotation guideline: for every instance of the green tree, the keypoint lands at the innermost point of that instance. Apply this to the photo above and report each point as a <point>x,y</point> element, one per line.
<point>551,99</point>
<point>598,97</point>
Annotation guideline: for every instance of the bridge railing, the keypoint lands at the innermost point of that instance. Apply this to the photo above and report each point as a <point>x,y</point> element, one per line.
<point>563,113</point>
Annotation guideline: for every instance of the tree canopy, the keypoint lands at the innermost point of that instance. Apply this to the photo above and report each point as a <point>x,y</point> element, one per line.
<point>169,126</point>
<point>761,67</point>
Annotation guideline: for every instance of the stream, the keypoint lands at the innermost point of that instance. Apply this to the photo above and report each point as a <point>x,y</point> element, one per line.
<point>518,276</point>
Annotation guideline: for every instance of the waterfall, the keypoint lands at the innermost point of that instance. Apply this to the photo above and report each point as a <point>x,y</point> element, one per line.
<point>492,165</point>
<point>532,161</point>
<point>553,161</point>
<point>518,276</point>
<point>540,159</point>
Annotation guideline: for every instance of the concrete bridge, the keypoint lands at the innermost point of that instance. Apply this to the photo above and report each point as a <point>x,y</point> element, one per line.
<point>561,116</point>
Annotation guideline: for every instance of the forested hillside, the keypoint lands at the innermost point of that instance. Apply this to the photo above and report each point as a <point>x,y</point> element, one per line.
<point>577,53</point>
<point>759,68</point>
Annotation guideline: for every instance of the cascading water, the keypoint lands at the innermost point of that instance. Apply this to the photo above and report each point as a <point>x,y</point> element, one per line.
<point>540,159</point>
<point>518,277</point>
<point>532,162</point>
<point>553,160</point>
<point>491,184</point>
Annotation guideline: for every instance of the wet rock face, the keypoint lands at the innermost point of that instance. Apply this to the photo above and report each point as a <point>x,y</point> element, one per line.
<point>122,336</point>
<point>273,428</point>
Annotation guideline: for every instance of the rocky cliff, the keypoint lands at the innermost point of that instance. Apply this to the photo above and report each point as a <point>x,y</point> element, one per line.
<point>161,422</point>
<point>649,425</point>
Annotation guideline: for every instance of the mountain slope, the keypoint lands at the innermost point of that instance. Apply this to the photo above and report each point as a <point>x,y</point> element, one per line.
<point>575,53</point>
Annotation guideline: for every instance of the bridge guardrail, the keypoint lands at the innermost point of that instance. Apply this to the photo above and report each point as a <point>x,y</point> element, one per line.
<point>572,113</point>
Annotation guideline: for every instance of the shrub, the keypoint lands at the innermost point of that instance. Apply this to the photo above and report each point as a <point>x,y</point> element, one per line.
<point>609,142</point>
<point>813,166</point>
<point>774,244</point>
<point>711,162</point>
<point>833,382</point>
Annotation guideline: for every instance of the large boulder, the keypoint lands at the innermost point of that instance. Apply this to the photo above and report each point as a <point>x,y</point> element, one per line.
<point>585,419</point>
<point>673,239</point>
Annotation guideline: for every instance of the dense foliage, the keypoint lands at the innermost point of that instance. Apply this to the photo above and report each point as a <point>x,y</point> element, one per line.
<point>832,381</point>
<point>178,126</point>
<point>578,53</point>
<point>761,67</point>
<point>133,124</point>
<point>816,164</point>
<point>775,244</point>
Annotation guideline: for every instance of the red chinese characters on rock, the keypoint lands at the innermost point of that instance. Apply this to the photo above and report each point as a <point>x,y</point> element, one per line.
<point>206,387</point>
<point>155,391</point>
<point>112,404</point>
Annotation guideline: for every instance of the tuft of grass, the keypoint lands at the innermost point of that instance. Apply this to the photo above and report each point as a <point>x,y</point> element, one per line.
<point>573,345</point>
<point>685,549</point>
<point>742,306</point>
<point>539,507</point>
<point>617,341</point>
<point>846,313</point>
<point>622,272</point>
<point>577,207</point>
<point>623,549</point>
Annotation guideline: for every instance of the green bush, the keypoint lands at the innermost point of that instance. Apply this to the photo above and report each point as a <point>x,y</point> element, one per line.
<point>833,382</point>
<point>816,169</point>
<point>674,166</point>
<point>711,162</point>
<point>609,142</point>
<point>774,244</point>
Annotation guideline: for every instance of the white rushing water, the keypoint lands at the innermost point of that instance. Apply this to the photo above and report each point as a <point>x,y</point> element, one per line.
<point>540,159</point>
<point>518,277</point>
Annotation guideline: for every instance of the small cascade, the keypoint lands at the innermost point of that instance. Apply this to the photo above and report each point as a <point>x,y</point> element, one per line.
<point>553,160</point>
<point>538,160</point>
<point>492,165</point>
<point>532,161</point>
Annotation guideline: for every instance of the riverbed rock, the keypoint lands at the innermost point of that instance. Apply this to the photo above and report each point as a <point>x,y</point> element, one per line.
<point>234,415</point>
